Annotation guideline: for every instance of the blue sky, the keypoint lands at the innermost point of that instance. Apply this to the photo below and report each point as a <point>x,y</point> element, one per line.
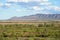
<point>11,8</point>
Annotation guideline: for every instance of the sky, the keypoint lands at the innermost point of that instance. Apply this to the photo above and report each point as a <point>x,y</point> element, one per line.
<point>11,8</point>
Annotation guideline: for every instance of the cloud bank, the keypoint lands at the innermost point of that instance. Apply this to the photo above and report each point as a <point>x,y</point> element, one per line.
<point>34,5</point>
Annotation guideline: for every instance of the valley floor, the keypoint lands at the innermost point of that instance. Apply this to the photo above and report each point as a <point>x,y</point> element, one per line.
<point>29,30</point>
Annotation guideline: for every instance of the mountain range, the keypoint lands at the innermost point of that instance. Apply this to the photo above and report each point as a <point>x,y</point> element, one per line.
<point>42,17</point>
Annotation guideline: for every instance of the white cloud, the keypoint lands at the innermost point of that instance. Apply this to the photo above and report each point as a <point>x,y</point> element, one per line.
<point>17,0</point>
<point>45,3</point>
<point>23,0</point>
<point>5,5</point>
<point>26,0</point>
<point>1,4</point>
<point>37,8</point>
<point>18,10</point>
<point>41,2</point>
<point>56,8</point>
<point>11,0</point>
<point>45,0</point>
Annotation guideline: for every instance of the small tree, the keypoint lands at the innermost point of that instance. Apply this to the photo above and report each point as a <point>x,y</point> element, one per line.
<point>40,25</point>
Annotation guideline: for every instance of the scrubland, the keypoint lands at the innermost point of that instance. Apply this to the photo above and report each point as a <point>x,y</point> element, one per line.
<point>30,31</point>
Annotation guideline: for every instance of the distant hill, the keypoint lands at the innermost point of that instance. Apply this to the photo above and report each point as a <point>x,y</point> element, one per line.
<point>42,17</point>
